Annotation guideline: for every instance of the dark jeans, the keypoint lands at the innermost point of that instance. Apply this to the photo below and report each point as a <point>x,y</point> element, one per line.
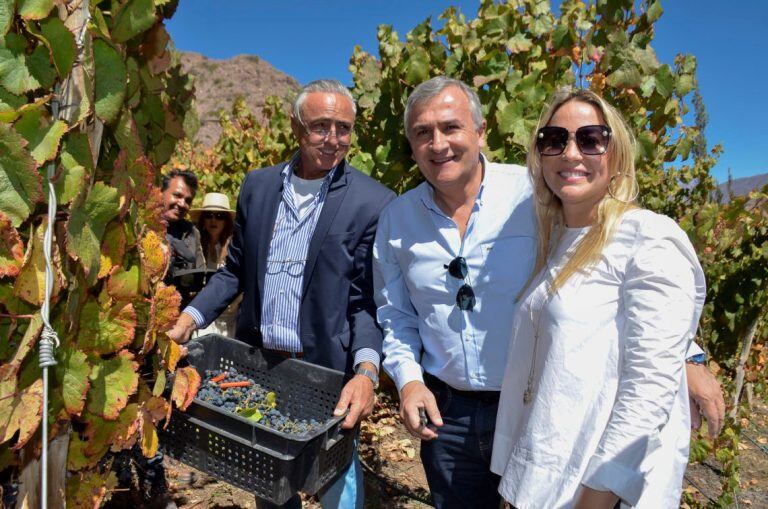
<point>457,462</point>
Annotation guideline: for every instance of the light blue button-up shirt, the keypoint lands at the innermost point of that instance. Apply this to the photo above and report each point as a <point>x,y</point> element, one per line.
<point>416,296</point>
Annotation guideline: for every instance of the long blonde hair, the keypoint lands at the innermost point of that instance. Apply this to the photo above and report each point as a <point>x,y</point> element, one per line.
<point>619,197</point>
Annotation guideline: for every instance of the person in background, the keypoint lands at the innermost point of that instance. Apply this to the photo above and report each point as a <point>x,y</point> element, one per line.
<point>215,221</point>
<point>594,404</point>
<point>179,188</point>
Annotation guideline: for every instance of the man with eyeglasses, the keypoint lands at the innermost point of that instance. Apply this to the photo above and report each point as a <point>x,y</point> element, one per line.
<point>450,258</point>
<point>301,256</point>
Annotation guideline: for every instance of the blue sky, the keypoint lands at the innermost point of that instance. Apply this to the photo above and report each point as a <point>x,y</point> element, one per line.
<point>314,38</point>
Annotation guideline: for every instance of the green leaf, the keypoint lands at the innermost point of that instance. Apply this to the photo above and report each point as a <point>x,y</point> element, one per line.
<point>35,9</point>
<point>113,381</point>
<point>252,414</point>
<point>76,163</point>
<point>19,72</point>
<point>519,43</point>
<point>20,182</point>
<point>665,81</point>
<point>654,12</point>
<point>133,18</point>
<point>110,80</point>
<point>72,372</point>
<point>89,215</point>
<point>106,331</point>
<point>271,399</point>
<point>684,84</point>
<point>626,76</point>
<point>6,16</point>
<point>43,137</point>
<point>61,43</point>
<point>417,66</point>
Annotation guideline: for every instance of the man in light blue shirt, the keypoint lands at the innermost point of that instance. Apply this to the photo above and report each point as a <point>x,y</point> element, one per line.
<point>450,258</point>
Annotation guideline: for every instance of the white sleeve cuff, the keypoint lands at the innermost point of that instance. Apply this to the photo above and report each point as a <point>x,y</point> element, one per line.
<point>408,372</point>
<point>196,316</point>
<point>693,349</point>
<point>608,475</point>
<point>367,355</point>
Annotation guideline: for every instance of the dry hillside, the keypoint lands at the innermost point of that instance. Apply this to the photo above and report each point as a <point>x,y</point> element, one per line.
<point>218,82</point>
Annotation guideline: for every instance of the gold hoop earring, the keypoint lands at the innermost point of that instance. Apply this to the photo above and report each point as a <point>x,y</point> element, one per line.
<point>610,192</point>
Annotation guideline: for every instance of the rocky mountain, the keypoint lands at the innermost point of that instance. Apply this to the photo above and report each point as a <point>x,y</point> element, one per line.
<point>742,186</point>
<point>218,82</point>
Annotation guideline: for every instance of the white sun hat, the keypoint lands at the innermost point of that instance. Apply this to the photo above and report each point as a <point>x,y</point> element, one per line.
<point>212,202</point>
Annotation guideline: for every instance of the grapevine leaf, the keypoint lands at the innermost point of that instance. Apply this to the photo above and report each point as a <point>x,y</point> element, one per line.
<point>154,259</point>
<point>43,137</point>
<point>135,17</point>
<point>26,409</point>
<point>417,66</point>
<point>124,284</point>
<point>112,247</point>
<point>159,387</point>
<point>6,16</point>
<point>519,43</point>
<point>110,80</point>
<point>127,427</point>
<point>251,413</point>
<point>112,382</point>
<point>21,72</point>
<point>35,9</point>
<point>171,353</point>
<point>89,489</point>
<point>156,408</point>
<point>89,215</point>
<point>98,433</point>
<point>103,331</point>
<point>76,457</point>
<point>61,43</point>
<point>185,387</point>
<point>28,341</point>
<point>165,307</point>
<point>76,167</point>
<point>72,372</point>
<point>149,438</point>
<point>11,248</point>
<point>151,208</point>
<point>30,283</point>
<point>20,184</point>
<point>9,103</point>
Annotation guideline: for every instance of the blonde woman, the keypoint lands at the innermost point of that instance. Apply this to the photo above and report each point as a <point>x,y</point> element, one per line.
<point>594,406</point>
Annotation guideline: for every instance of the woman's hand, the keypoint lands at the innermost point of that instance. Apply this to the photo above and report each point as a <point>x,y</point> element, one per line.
<point>588,498</point>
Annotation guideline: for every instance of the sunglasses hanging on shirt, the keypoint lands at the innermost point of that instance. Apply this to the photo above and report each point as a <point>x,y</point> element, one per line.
<point>465,297</point>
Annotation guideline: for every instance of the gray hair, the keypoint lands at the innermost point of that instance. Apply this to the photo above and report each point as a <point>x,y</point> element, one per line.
<point>327,86</point>
<point>430,88</point>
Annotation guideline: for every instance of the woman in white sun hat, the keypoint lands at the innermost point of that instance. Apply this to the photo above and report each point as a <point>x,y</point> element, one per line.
<point>215,220</point>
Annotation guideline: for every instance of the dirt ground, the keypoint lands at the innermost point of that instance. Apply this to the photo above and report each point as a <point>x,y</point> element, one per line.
<point>394,477</point>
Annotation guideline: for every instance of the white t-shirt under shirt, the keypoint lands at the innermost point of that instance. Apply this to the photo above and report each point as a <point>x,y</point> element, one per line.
<point>610,407</point>
<point>304,192</point>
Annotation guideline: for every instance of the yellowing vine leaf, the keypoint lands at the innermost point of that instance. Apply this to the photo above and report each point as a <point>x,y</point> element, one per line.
<point>11,248</point>
<point>149,438</point>
<point>20,183</point>
<point>89,489</point>
<point>154,259</point>
<point>126,431</point>
<point>112,383</point>
<point>103,331</point>
<point>11,367</point>
<point>22,415</point>
<point>124,284</point>
<point>89,215</point>
<point>185,387</point>
<point>76,457</point>
<point>112,247</point>
<point>30,283</point>
<point>34,9</point>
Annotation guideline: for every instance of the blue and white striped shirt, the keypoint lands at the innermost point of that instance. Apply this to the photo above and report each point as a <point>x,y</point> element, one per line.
<point>284,277</point>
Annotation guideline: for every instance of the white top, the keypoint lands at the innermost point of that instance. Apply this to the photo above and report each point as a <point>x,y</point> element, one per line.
<point>610,407</point>
<point>304,192</point>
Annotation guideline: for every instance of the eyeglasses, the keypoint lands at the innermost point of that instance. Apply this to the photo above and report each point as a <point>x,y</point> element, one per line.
<point>221,216</point>
<point>465,297</point>
<point>293,268</point>
<point>592,140</point>
<point>318,132</point>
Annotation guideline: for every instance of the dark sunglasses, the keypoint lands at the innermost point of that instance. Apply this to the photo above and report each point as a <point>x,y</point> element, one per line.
<point>215,215</point>
<point>592,140</point>
<point>465,297</point>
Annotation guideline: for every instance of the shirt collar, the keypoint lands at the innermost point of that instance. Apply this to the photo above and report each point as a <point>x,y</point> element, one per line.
<point>290,167</point>
<point>428,193</point>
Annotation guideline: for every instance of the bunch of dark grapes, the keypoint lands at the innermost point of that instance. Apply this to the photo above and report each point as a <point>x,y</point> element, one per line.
<point>251,396</point>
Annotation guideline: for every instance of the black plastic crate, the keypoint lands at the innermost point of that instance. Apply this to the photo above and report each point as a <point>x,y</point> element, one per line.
<point>271,464</point>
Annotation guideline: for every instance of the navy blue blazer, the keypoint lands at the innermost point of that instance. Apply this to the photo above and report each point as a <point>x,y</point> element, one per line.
<point>337,315</point>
